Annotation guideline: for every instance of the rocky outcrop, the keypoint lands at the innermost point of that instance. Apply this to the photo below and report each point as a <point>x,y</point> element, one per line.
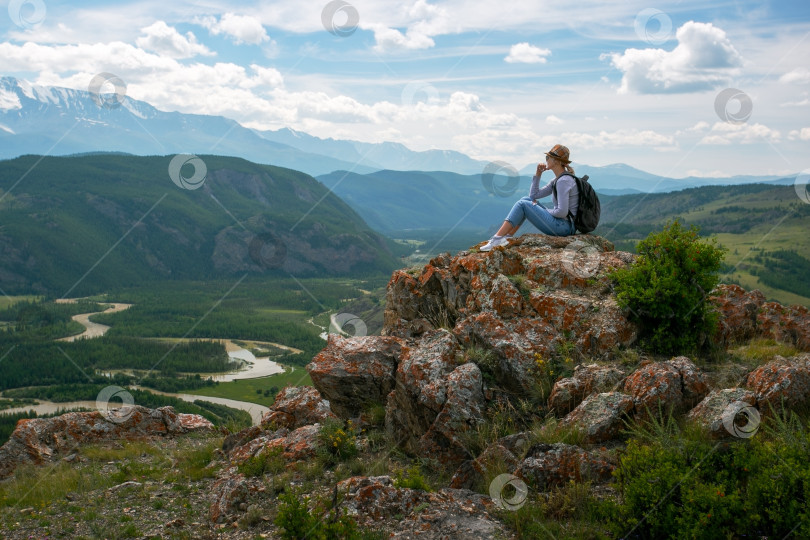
<point>227,494</point>
<point>783,382</point>
<point>600,417</point>
<point>665,386</point>
<point>435,400</point>
<point>569,392</point>
<point>40,440</point>
<point>518,301</point>
<point>448,513</point>
<point>552,465</point>
<point>714,411</point>
<point>505,452</point>
<point>534,298</point>
<point>354,373</point>
<point>296,445</point>
<point>297,406</point>
<point>745,315</point>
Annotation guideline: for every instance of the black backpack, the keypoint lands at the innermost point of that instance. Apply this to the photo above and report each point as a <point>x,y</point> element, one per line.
<point>589,208</point>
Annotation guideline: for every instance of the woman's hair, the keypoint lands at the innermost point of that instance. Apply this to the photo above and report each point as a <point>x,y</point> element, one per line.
<point>566,166</point>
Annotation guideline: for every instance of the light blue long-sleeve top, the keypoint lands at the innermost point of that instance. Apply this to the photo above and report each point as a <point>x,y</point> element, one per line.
<point>567,199</point>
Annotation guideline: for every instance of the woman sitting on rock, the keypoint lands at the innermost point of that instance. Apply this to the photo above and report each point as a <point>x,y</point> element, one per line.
<point>559,221</point>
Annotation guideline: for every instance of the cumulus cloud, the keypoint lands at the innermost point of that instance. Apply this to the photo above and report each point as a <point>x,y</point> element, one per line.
<point>802,134</point>
<point>553,120</point>
<point>724,133</point>
<point>618,138</point>
<point>797,76</point>
<point>524,53</point>
<point>166,40</point>
<point>703,59</point>
<point>240,28</point>
<point>391,39</point>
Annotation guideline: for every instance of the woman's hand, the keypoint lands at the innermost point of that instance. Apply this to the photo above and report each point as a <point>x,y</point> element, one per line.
<point>540,168</point>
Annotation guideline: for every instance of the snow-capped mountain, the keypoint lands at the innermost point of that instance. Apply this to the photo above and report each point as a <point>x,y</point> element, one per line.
<point>60,121</point>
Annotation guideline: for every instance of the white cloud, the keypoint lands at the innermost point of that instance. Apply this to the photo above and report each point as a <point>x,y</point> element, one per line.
<point>554,121</point>
<point>803,103</point>
<point>798,76</point>
<point>618,138</point>
<point>703,59</point>
<point>699,128</point>
<point>724,133</point>
<point>391,39</point>
<point>803,134</point>
<point>163,39</point>
<point>240,28</point>
<point>524,53</point>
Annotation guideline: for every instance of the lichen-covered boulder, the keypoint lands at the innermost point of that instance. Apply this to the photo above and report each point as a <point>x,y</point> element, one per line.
<point>781,382</point>
<point>297,406</point>
<point>788,324</point>
<point>665,386</point>
<point>39,440</point>
<point>738,310</point>
<point>717,410</point>
<point>548,285</point>
<point>513,344</point>
<point>462,411</point>
<point>552,465</point>
<point>448,513</point>
<point>355,373</point>
<point>600,417</point>
<point>226,494</point>
<point>746,314</point>
<point>420,391</point>
<point>569,392</point>
<point>296,445</point>
<point>505,452</point>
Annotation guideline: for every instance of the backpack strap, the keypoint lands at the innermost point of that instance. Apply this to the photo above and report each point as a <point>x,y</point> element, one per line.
<point>570,216</point>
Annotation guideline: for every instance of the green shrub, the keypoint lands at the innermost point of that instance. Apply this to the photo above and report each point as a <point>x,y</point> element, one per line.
<point>666,288</point>
<point>337,442</point>
<point>269,461</point>
<point>298,521</point>
<point>412,478</point>
<point>567,511</point>
<point>698,489</point>
<point>549,369</point>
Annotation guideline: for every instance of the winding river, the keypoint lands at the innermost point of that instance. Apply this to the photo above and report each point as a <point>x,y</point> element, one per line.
<point>251,367</point>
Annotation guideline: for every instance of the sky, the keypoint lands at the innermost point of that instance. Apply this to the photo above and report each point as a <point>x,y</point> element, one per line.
<point>682,88</point>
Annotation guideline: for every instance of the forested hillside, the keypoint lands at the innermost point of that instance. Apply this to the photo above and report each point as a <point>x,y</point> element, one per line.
<point>79,225</point>
<point>764,228</point>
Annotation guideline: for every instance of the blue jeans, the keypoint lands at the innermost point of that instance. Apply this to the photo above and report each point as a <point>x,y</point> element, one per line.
<point>540,218</point>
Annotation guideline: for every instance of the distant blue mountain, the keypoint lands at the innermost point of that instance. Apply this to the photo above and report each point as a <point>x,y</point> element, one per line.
<point>60,121</point>
<point>381,156</point>
<point>621,179</point>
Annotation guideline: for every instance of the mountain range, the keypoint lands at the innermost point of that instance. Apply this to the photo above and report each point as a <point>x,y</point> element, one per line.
<point>60,121</point>
<point>79,225</point>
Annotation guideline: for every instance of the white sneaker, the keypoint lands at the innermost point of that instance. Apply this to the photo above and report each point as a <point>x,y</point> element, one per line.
<point>495,242</point>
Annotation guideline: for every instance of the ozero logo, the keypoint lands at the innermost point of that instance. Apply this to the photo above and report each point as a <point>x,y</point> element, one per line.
<point>508,492</point>
<point>741,409</point>
<point>500,171</point>
<point>99,89</point>
<point>340,18</point>
<point>179,167</point>
<point>112,410</point>
<point>27,13</point>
